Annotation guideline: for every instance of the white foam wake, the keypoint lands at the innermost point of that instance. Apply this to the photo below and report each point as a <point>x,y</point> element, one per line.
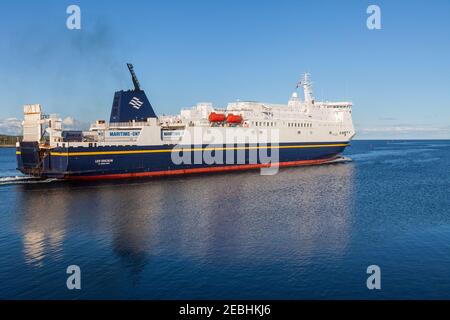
<point>339,160</point>
<point>22,180</point>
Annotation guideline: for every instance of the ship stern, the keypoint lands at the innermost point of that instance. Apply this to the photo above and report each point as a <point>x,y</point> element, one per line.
<point>28,158</point>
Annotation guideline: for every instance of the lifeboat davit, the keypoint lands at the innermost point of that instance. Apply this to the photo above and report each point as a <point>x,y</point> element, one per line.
<point>216,117</point>
<point>233,118</point>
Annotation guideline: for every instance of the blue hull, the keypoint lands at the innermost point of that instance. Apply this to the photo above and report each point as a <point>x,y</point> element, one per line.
<point>136,161</point>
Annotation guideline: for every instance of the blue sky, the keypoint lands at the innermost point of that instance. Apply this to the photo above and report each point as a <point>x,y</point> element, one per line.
<point>189,51</point>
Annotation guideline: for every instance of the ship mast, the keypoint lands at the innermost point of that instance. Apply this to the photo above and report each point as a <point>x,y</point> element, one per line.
<point>307,89</point>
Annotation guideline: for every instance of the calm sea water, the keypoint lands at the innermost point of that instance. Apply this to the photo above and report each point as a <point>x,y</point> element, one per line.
<point>306,232</point>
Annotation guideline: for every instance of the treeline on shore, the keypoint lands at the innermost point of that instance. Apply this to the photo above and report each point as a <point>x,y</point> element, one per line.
<point>9,140</point>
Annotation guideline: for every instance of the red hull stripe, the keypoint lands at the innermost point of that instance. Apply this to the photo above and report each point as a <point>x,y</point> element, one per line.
<point>196,170</point>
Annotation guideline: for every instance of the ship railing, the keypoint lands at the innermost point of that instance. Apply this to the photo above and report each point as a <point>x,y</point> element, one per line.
<point>129,124</point>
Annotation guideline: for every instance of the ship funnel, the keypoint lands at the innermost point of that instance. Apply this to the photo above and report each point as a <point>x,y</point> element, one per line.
<point>131,104</point>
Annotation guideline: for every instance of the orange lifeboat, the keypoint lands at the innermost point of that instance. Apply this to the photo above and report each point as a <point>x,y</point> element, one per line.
<point>216,117</point>
<point>232,118</point>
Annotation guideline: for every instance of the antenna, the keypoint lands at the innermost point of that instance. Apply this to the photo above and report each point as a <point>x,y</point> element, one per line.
<point>307,90</point>
<point>137,86</point>
<point>306,78</point>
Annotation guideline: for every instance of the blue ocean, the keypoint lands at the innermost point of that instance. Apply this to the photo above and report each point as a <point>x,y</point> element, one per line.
<point>304,233</point>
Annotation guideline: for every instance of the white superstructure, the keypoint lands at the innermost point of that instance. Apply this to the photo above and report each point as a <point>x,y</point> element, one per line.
<point>300,120</point>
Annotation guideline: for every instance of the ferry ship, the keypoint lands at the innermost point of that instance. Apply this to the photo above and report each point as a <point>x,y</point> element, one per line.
<point>137,143</point>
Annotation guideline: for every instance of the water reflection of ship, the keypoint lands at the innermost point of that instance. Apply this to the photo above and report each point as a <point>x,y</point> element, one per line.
<point>48,213</point>
<point>133,224</point>
<point>293,214</point>
<point>199,219</point>
<point>43,222</point>
<point>296,212</point>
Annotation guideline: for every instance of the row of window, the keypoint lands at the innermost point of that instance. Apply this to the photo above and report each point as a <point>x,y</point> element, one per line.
<point>273,124</point>
<point>264,124</point>
<point>300,125</point>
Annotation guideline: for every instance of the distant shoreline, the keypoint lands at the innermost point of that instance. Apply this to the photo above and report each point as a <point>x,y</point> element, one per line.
<point>7,141</point>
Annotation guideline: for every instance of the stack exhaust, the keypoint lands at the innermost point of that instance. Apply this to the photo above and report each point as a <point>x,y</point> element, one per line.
<point>131,105</point>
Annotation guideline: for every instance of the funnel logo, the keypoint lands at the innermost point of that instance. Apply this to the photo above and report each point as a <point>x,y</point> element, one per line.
<point>136,103</point>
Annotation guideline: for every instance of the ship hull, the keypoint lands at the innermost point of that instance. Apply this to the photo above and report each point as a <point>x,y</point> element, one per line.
<point>119,162</point>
